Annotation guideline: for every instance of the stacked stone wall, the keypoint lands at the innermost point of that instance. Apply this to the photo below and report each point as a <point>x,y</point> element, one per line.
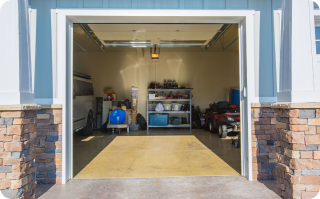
<point>298,169</point>
<point>17,153</point>
<point>264,143</point>
<point>49,146</point>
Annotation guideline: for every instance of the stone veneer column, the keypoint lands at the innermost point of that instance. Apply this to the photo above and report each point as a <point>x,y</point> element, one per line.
<point>49,146</point>
<point>264,143</point>
<point>18,151</point>
<point>298,167</point>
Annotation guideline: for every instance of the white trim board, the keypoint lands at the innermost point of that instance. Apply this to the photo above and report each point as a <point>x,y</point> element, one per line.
<point>64,24</point>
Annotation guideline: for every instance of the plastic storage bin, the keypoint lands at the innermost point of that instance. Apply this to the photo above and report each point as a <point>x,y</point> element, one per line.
<point>167,107</point>
<point>175,121</point>
<point>134,127</point>
<point>152,107</point>
<point>159,120</point>
<point>176,107</point>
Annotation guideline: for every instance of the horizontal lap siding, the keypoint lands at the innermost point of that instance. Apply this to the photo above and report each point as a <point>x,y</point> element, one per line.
<point>43,76</point>
<point>237,4</point>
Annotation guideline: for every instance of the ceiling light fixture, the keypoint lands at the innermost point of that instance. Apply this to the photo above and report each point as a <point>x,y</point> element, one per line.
<point>153,52</point>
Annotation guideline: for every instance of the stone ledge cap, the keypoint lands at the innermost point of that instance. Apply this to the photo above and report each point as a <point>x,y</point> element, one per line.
<point>260,105</point>
<point>290,105</point>
<point>51,106</point>
<point>20,107</point>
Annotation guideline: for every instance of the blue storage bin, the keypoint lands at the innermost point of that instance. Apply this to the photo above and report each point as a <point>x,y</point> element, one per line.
<point>159,120</point>
<point>235,97</point>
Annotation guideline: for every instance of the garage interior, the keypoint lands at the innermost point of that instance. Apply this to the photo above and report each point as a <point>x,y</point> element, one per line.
<point>117,58</point>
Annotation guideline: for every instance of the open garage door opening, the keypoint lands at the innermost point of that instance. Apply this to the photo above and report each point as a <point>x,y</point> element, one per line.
<point>176,88</point>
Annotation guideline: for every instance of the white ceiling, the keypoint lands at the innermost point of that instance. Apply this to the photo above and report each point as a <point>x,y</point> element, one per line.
<point>184,29</point>
<point>155,32</point>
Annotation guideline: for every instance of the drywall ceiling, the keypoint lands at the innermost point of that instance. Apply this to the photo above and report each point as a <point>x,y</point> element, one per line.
<point>155,33</point>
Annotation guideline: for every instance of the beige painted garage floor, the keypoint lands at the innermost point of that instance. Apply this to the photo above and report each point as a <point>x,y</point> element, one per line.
<point>161,153</point>
<point>155,156</point>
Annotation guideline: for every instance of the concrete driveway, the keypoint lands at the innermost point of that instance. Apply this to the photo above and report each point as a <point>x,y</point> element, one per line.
<point>165,187</point>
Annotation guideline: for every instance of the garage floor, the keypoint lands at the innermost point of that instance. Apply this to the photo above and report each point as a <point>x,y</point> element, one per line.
<point>155,156</point>
<point>177,152</point>
<point>149,188</point>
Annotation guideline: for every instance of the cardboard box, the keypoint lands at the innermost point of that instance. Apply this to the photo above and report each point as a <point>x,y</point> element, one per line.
<point>108,91</point>
<point>134,117</point>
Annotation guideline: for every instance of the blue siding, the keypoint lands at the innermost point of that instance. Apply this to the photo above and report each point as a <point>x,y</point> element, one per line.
<point>193,4</point>
<point>237,4</point>
<point>145,4</point>
<point>65,3</point>
<point>214,4</point>
<point>120,4</point>
<point>43,73</point>
<point>93,3</point>
<point>266,46</point>
<point>167,4</point>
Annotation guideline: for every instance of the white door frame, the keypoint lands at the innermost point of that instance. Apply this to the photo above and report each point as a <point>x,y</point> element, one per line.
<point>62,37</point>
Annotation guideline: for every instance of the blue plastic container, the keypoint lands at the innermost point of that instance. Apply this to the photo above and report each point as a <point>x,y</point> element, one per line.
<point>118,117</point>
<point>159,120</point>
<point>235,97</point>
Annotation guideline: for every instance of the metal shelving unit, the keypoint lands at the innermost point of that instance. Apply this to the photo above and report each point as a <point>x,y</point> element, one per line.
<point>172,112</point>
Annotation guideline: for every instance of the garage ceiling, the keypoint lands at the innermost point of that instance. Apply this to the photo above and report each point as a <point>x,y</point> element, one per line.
<point>143,35</point>
<point>155,33</point>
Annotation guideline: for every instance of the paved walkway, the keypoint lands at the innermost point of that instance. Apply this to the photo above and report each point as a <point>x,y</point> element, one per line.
<point>166,187</point>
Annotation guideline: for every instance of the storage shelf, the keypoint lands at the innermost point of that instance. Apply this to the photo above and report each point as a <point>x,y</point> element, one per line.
<point>189,101</point>
<point>171,126</point>
<point>169,112</point>
<point>173,89</point>
<point>163,100</point>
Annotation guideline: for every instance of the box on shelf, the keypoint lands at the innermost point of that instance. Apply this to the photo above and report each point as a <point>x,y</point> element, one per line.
<point>108,91</point>
<point>152,96</point>
<point>159,120</point>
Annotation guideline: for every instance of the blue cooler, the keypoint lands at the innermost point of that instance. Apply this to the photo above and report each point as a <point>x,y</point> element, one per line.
<point>159,120</point>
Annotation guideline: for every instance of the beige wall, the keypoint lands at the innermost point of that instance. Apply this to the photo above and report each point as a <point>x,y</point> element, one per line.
<point>211,74</point>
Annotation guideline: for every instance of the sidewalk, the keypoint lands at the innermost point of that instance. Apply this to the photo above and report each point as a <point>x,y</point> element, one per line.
<point>167,187</point>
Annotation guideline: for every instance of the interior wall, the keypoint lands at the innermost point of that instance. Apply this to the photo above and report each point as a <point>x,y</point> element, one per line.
<point>210,74</point>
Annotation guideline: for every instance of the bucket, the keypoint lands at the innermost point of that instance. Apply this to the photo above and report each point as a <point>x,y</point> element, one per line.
<point>234,97</point>
<point>167,107</point>
<point>152,107</point>
<point>176,107</point>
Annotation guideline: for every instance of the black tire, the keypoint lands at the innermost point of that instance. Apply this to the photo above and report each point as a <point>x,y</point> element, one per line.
<point>222,134</point>
<point>210,126</point>
<point>88,129</point>
<point>215,125</point>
